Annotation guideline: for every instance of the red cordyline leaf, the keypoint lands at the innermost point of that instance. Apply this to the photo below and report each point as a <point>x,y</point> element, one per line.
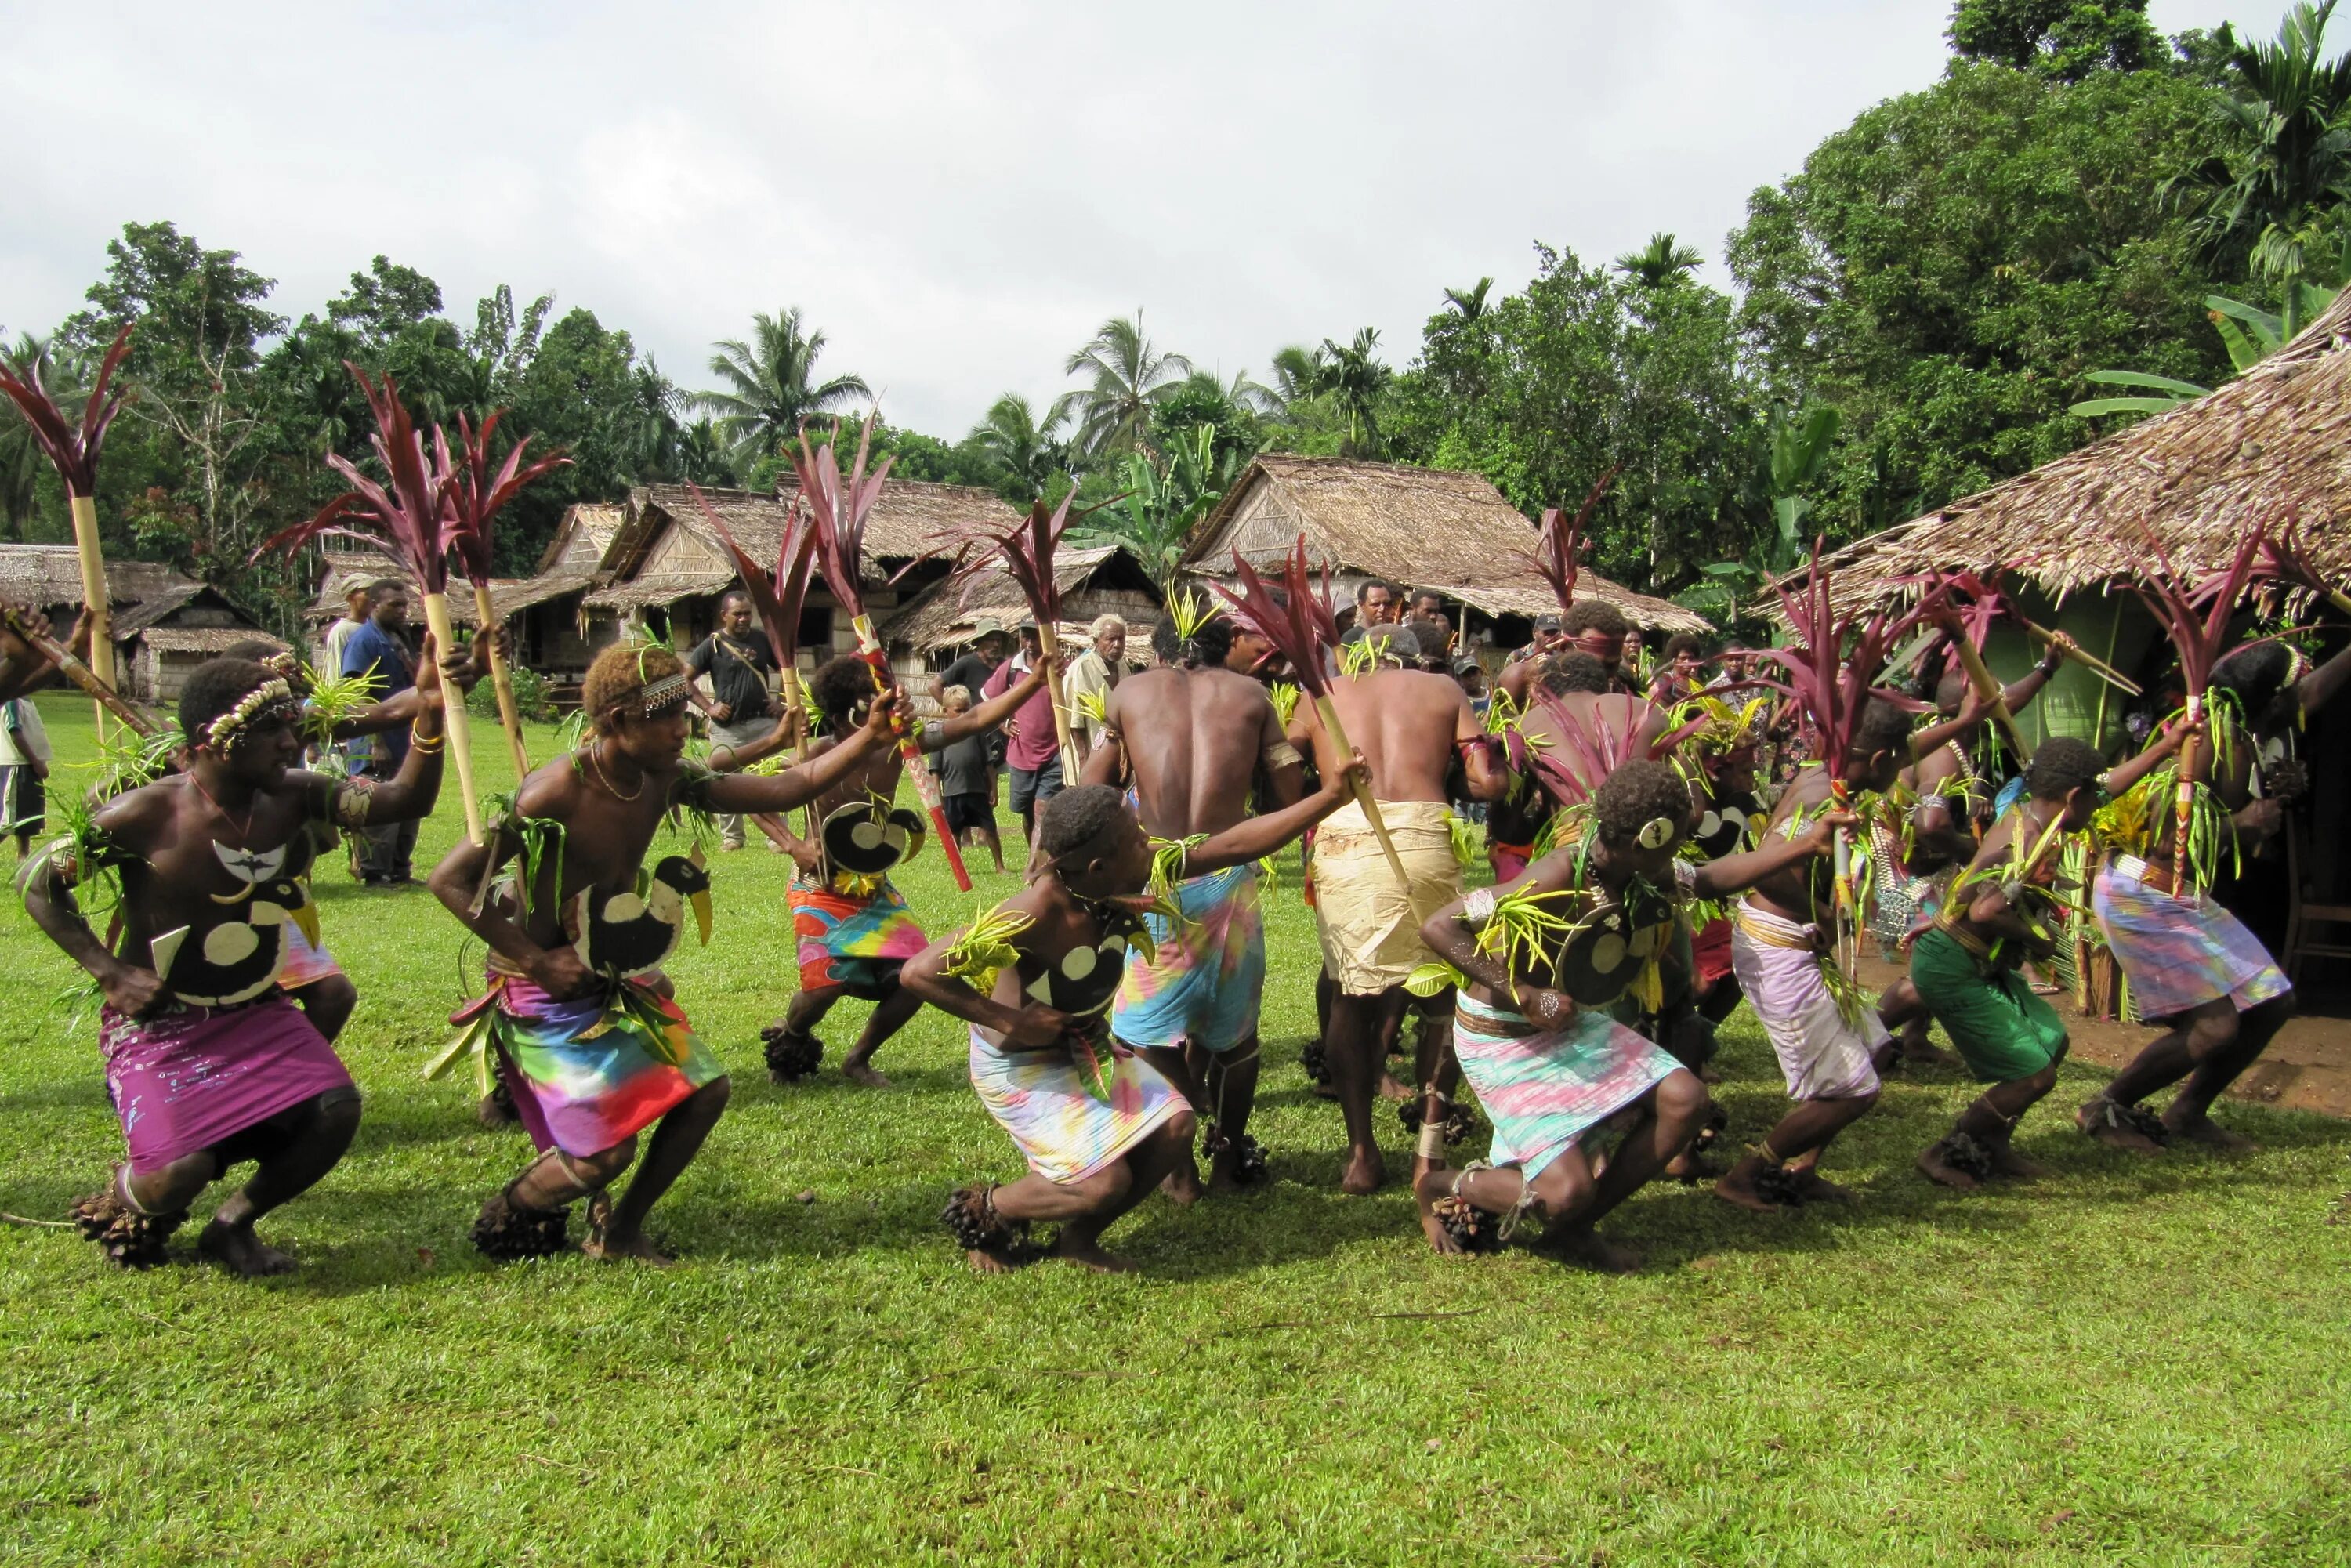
<point>778,597</point>
<point>1025,553</point>
<point>840,507</point>
<point>1834,686</point>
<point>2286,559</point>
<point>2197,635</point>
<point>1559,545</point>
<point>73,451</point>
<point>474,495</point>
<point>1588,750</point>
<point>411,521</point>
<point>1300,626</point>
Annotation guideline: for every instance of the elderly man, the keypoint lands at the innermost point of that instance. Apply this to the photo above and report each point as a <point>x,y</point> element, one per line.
<point>1092,677</point>
<point>739,662</point>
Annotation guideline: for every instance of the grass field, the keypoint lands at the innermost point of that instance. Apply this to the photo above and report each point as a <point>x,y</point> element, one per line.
<point>2137,1361</point>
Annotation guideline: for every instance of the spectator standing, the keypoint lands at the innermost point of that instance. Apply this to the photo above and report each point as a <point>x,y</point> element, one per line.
<point>1098,670</point>
<point>377,648</point>
<point>968,782</point>
<point>739,662</point>
<point>24,771</point>
<point>1031,753</point>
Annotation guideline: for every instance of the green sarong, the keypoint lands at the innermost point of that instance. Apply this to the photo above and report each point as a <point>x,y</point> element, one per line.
<point>2002,1032</point>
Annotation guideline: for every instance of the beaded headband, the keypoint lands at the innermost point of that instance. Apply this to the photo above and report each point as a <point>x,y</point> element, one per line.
<point>655,696</point>
<point>257,705</point>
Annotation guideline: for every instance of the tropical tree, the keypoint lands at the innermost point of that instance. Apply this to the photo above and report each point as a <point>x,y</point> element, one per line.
<point>1298,374</point>
<point>1661,262</point>
<point>2278,196</point>
<point>2062,40</point>
<point>1469,303</point>
<point>1030,453</point>
<point>1162,503</point>
<point>1129,376</point>
<point>21,461</point>
<point>773,388</point>
<point>1355,380</point>
<point>1801,444</point>
<point>2250,334</point>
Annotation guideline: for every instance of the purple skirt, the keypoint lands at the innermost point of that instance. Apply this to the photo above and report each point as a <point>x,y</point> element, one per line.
<point>198,1076</point>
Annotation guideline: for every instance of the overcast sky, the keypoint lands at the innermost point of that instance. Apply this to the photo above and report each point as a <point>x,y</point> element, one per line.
<point>956,194</point>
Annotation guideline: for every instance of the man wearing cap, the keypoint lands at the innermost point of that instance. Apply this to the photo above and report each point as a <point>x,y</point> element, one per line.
<point>1032,752</point>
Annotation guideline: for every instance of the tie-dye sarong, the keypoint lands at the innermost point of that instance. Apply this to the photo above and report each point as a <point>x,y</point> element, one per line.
<point>2177,954</point>
<point>1039,1099</point>
<point>1823,1054</point>
<point>1209,975</point>
<point>847,939</point>
<point>197,1076</point>
<point>305,965</point>
<point>1544,1090</point>
<point>592,1071</point>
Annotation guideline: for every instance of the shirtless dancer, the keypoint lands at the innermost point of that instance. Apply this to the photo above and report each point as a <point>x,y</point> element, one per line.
<point>1408,725</point>
<point>207,1061</point>
<point>855,932</point>
<point>1193,735</point>
<point>595,1049</point>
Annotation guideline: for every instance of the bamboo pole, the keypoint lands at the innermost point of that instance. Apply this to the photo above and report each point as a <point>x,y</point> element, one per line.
<point>1988,690</point>
<point>2082,656</point>
<point>1330,716</point>
<point>484,618</point>
<point>788,673</point>
<point>93,595</point>
<point>80,675</point>
<point>461,742</point>
<point>927,786</point>
<point>2114,640</point>
<point>1049,646</point>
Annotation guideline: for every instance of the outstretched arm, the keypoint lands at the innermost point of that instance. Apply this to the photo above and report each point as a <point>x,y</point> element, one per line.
<point>409,793</point>
<point>727,758</point>
<point>754,793</point>
<point>1254,838</point>
<point>2119,778</point>
<point>1924,743</point>
<point>2023,690</point>
<point>986,715</point>
<point>2319,688</point>
<point>1737,873</point>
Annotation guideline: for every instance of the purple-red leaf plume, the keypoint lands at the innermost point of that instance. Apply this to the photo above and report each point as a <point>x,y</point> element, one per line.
<point>74,450</point>
<point>1293,614</point>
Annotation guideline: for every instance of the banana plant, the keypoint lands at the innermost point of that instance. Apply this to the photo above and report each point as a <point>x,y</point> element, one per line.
<point>2250,334</point>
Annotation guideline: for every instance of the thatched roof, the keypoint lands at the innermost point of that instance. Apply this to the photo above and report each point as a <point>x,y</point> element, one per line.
<point>948,612</point>
<point>908,520</point>
<point>1424,527</point>
<point>203,639</point>
<point>47,575</point>
<point>581,538</point>
<point>2272,444</point>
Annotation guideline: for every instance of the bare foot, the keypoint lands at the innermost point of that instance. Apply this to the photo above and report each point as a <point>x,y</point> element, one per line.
<point>1738,1187</point>
<point>1086,1253</point>
<point>1325,1089</point>
<point>988,1263</point>
<point>2007,1162</point>
<point>1365,1172</point>
<point>1224,1173</point>
<point>2101,1119</point>
<point>1813,1187</point>
<point>634,1247</point>
<point>1936,1167</point>
<point>1426,1188</point>
<point>862,1074</point>
<point>1392,1089</point>
<point>2199,1128</point>
<point>237,1249</point>
<point>1686,1166</point>
<point>1182,1184</point>
<point>1589,1249</point>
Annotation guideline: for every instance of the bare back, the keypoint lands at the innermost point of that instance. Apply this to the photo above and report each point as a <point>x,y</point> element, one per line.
<point>1194,739</point>
<point>1405,723</point>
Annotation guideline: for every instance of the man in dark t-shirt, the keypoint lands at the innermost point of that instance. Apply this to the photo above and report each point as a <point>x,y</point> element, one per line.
<point>738,658</point>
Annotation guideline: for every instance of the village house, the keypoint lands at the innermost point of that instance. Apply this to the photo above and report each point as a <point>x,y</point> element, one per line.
<point>164,623</point>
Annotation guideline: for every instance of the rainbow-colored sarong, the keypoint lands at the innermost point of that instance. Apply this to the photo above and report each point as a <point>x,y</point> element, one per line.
<point>2178,953</point>
<point>594,1070</point>
<point>860,941</point>
<point>1039,1098</point>
<point>305,965</point>
<point>1208,975</point>
<point>1544,1090</point>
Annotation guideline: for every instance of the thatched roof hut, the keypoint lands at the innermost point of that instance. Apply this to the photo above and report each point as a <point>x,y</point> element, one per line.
<point>164,624</point>
<point>2274,444</point>
<point>1423,527</point>
<point>1107,580</point>
<point>581,538</point>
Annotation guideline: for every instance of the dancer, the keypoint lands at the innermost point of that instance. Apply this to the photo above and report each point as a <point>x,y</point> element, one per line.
<point>1966,965</point>
<point>2191,963</point>
<point>855,931</point>
<point>1545,959</point>
<point>1409,726</point>
<point>1822,1030</point>
<point>1195,736</point>
<point>577,1012</point>
<point>1098,1126</point>
<point>208,1064</point>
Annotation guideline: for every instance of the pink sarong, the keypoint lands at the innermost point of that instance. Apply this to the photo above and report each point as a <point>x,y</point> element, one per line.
<point>1823,1054</point>
<point>198,1076</point>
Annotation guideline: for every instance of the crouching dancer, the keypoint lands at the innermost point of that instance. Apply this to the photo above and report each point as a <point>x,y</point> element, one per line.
<point>578,1012</point>
<point>1542,960</point>
<point>1034,978</point>
<point>1996,915</point>
<point>207,1061</point>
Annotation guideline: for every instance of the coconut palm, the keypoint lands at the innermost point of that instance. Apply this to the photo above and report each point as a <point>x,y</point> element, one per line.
<point>774,386</point>
<point>1469,303</point>
<point>2279,196</point>
<point>1354,380</point>
<point>1661,262</point>
<point>1030,453</point>
<point>1298,374</point>
<point>1130,377</point>
<point>21,461</point>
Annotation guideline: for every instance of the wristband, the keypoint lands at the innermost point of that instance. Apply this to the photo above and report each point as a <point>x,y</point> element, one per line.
<point>427,743</point>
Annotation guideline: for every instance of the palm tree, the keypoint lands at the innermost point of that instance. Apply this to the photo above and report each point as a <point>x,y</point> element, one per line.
<point>2281,195</point>
<point>1029,454</point>
<point>21,461</point>
<point>1130,376</point>
<point>775,386</point>
<point>1661,262</point>
<point>1355,380</point>
<point>1469,303</point>
<point>1298,373</point>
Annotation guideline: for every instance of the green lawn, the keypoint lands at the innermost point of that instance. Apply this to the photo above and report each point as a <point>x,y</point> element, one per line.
<point>2135,1362</point>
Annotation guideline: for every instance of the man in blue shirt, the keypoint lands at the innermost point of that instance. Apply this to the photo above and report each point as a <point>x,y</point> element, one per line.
<point>379,649</point>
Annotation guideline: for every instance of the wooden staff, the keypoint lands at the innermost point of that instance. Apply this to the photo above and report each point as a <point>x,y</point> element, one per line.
<point>2083,657</point>
<point>1330,716</point>
<point>93,594</point>
<point>107,699</point>
<point>460,743</point>
<point>1049,646</point>
<point>486,618</point>
<point>1988,691</point>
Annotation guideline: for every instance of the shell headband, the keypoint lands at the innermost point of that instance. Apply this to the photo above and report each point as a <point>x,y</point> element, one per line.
<point>257,705</point>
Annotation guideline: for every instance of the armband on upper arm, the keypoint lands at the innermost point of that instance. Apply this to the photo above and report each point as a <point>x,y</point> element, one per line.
<point>348,801</point>
<point>693,788</point>
<point>1280,754</point>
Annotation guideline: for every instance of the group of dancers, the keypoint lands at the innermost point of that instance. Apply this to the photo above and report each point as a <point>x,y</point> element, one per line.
<point>1663,845</point>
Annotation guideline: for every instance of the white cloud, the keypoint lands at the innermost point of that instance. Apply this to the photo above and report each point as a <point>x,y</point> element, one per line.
<point>956,194</point>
